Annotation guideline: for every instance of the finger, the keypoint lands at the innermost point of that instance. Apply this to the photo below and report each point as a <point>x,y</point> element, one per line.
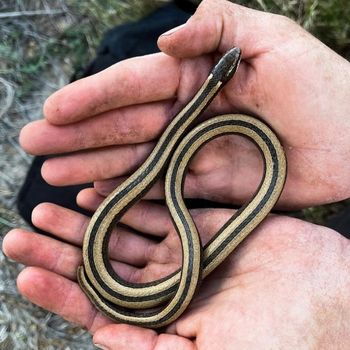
<point>219,26</point>
<point>145,216</point>
<point>133,81</point>
<point>37,250</point>
<point>60,296</point>
<point>89,199</point>
<point>33,249</point>
<point>128,125</point>
<point>124,245</point>
<point>148,217</point>
<point>154,219</point>
<point>100,164</point>
<point>128,337</point>
<point>63,223</point>
<point>105,187</point>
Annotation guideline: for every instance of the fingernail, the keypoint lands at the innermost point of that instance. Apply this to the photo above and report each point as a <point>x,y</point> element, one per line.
<point>173,30</point>
<point>102,347</point>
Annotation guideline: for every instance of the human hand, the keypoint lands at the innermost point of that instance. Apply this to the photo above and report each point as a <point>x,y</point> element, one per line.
<point>287,77</point>
<point>286,286</point>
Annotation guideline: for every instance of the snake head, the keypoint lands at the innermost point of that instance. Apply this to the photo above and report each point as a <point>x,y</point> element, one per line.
<point>227,66</point>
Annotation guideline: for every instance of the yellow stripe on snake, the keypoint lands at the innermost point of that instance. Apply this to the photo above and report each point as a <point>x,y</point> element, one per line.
<point>158,303</point>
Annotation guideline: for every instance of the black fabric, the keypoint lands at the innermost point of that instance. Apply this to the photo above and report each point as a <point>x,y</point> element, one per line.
<point>139,38</point>
<point>119,43</point>
<point>35,191</point>
<point>340,222</point>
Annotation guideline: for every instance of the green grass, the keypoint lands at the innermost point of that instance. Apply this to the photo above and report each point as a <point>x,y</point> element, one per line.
<point>29,45</point>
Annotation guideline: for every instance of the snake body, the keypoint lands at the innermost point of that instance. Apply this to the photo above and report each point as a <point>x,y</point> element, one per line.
<point>158,303</point>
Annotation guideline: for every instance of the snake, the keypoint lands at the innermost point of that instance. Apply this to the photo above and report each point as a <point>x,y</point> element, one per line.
<point>159,303</point>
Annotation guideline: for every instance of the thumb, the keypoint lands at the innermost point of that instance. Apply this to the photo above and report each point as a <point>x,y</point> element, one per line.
<point>122,336</point>
<point>219,25</point>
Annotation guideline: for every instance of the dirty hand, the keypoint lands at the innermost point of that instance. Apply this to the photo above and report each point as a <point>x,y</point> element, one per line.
<point>286,286</point>
<point>287,77</point>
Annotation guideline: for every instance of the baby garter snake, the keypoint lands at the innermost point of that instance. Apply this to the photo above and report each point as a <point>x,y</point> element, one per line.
<point>158,303</point>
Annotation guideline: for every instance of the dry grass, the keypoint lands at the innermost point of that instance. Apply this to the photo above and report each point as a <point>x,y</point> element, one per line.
<point>41,44</point>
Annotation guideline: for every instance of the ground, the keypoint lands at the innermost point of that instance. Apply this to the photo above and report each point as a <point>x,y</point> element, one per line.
<point>41,44</point>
